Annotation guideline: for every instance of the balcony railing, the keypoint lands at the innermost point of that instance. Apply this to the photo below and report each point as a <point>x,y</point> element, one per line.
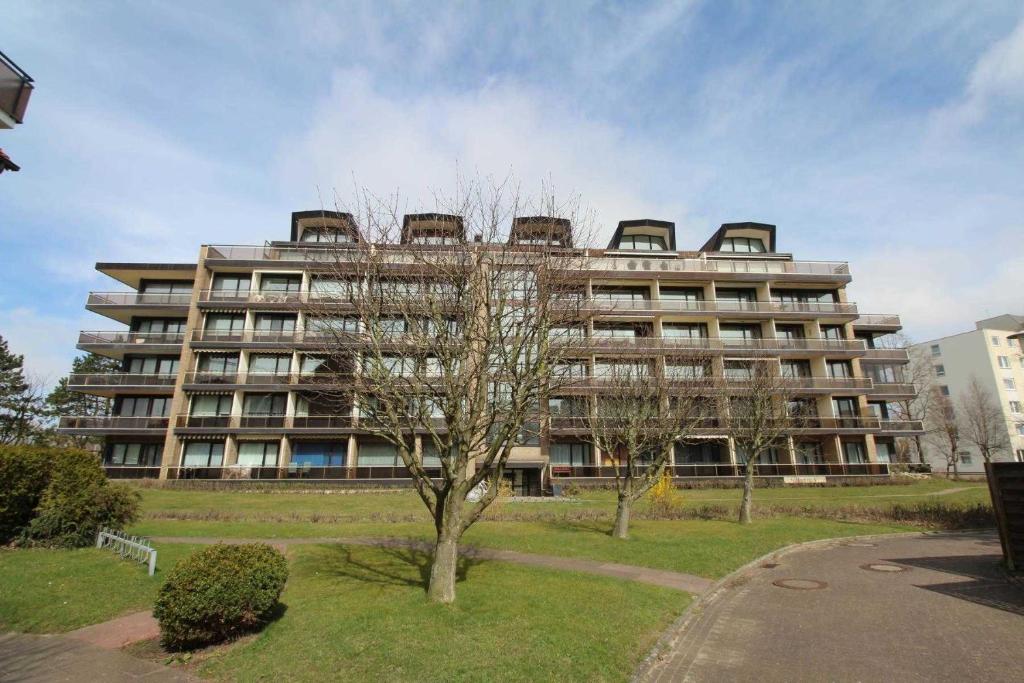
<point>794,424</point>
<point>296,471</point>
<point>729,470</point>
<point>15,89</point>
<point>138,299</point>
<point>893,389</point>
<point>295,422</point>
<point>877,320</point>
<point>112,422</point>
<point>894,355</point>
<point>270,379</point>
<point>119,379</point>
<point>719,344</point>
<point>814,309</point>
<point>916,426</point>
<point>112,338</point>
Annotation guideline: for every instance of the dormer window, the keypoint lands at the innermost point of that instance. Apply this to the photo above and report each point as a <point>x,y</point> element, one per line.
<point>434,239</point>
<point>743,245</point>
<point>643,243</point>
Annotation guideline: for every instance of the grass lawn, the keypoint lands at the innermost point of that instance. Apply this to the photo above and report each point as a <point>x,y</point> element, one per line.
<point>50,591</point>
<point>360,614</point>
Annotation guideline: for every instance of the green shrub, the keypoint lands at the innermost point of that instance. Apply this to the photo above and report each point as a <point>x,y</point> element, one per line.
<point>24,475</point>
<point>218,593</point>
<point>78,501</point>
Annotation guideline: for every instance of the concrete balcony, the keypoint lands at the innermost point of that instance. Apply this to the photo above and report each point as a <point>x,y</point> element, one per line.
<point>747,309</point>
<point>112,425</point>
<point>892,391</point>
<point>113,383</point>
<point>211,381</point>
<point>768,346</point>
<point>115,344</point>
<point>886,356</point>
<point>668,265</point>
<point>882,323</point>
<point>901,427</point>
<point>123,306</point>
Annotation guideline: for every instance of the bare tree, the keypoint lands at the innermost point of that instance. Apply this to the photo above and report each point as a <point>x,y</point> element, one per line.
<point>983,422</point>
<point>449,336</point>
<point>944,432</point>
<point>761,415</point>
<point>638,414</point>
<point>919,371</point>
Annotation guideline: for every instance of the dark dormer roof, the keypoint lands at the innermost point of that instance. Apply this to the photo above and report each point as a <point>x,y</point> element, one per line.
<point>430,223</point>
<point>644,223</point>
<point>544,227</point>
<point>715,243</point>
<point>322,219</point>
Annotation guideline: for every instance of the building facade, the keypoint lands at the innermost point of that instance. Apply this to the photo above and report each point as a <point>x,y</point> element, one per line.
<point>215,356</point>
<point>993,353</point>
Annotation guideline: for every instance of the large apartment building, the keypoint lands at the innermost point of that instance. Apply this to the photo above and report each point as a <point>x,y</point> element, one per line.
<point>214,356</point>
<point>992,353</point>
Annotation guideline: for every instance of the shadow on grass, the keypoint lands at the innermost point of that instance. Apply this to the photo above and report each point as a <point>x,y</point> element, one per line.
<point>403,565</point>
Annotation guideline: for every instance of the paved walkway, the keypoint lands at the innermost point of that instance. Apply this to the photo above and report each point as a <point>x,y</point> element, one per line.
<point>656,577</point>
<point>934,607</point>
<point>25,657</point>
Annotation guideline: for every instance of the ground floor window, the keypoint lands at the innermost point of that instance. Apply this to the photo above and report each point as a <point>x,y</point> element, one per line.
<point>884,451</point>
<point>704,453</point>
<point>132,454</point>
<point>319,453</point>
<point>808,452</point>
<point>378,455</point>
<point>571,454</point>
<point>258,453</point>
<point>204,454</point>
<point>854,452</point>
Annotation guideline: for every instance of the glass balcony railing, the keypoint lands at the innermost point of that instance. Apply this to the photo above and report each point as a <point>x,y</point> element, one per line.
<point>112,423</point>
<point>138,299</point>
<point>117,338</point>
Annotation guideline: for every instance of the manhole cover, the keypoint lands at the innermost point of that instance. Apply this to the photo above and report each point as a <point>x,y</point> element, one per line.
<point>859,544</point>
<point>800,584</point>
<point>881,567</point>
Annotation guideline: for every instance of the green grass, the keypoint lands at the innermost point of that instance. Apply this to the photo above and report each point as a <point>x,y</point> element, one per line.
<point>50,591</point>
<point>359,614</point>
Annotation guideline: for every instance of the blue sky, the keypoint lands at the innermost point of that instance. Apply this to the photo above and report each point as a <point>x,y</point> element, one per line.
<point>888,134</point>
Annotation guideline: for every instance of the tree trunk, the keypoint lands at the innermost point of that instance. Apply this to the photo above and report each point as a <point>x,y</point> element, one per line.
<point>956,470</point>
<point>621,529</point>
<point>446,561</point>
<point>748,494</point>
<point>920,450</point>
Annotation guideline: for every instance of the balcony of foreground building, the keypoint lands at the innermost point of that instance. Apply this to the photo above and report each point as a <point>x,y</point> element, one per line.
<point>886,355</point>
<point>700,470</point>
<point>853,386</point>
<point>883,323</point>
<point>111,383</point>
<point>253,381</point>
<point>15,91</point>
<point>123,306</point>
<point>719,426</point>
<point>112,425</point>
<point>298,471</point>
<point>305,425</point>
<point>891,391</point>
<point>901,427</point>
<point>115,344</point>
<point>838,312</point>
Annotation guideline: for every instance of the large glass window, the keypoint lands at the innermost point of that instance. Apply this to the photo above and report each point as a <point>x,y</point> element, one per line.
<point>685,330</point>
<point>840,369</point>
<point>844,407</point>
<point>333,324</point>
<point>804,296</point>
<point>151,287</point>
<point>643,242</point>
<point>257,453</point>
<point>270,322</point>
<point>218,363</point>
<point>572,454</point>
<point>689,295</point>
<point>833,332</point>
<point>885,373</point>
<point>132,454</point>
<point>622,293</point>
<point>158,325</point>
<point>808,452</point>
<point>224,323</point>
<point>326,235</point>
<point>204,454</point>
<point>319,453</point>
<point>280,284</point>
<point>617,331</point>
<point>143,406</point>
<point>793,369</point>
<point>265,404</point>
<point>269,364</point>
<point>674,370</point>
<point>854,452</point>
<point>378,455</point>
<point>734,332</point>
<point>232,283</point>
<point>331,288</point>
<point>736,296</point>
<point>743,245</point>
<point>152,365</point>
<point>739,370</point>
<point>217,405</point>
<point>567,406</point>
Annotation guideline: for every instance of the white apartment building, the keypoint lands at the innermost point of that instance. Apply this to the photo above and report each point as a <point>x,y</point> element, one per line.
<point>994,353</point>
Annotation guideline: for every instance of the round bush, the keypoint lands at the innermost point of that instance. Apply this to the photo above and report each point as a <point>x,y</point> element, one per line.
<point>218,593</point>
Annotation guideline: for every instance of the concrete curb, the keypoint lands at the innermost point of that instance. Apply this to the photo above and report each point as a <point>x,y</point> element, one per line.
<point>693,610</point>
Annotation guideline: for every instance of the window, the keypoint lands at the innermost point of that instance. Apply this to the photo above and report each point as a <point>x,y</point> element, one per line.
<point>378,455</point>
<point>569,371</point>
<point>884,373</point>
<point>158,325</point>
<point>166,287</point>
<point>685,370</point>
<point>331,288</point>
<point>940,370</point>
<point>808,452</point>
<point>567,333</point>
<point>606,368</point>
<point>884,451</point>
<point>685,330</point>
<point>217,405</point>
<point>643,242</point>
<point>804,296</point>
<point>280,284</point>
<point>319,453</point>
<point>743,245</point>
<point>1009,383</point>
<point>1015,406</point>
<point>622,293</point>
<point>741,333</point>
<point>1019,454</point>
<point>966,458</point>
<point>616,331</point>
<point>275,323</point>
<point>257,453</point>
<point>840,369</point>
<point>141,454</point>
<point>789,332</point>
<point>264,404</point>
<point>936,351</point>
<point>570,454</point>
<point>739,370</point>
<point>1004,362</point>
<point>792,369</point>
<point>733,299</point>
<point>325,235</point>
<point>1020,429</point>
<point>232,284</point>
<point>944,390</point>
<point>143,406</point>
<point>567,407</point>
<point>703,453</point>
<point>845,407</point>
<point>854,452</point>
<point>686,295</point>
<point>832,332</point>
<point>152,365</point>
<point>204,454</point>
<point>995,340</point>
<point>313,365</point>
<point>434,239</point>
<point>218,363</point>
<point>224,323</point>
<point>333,324</point>
<point>269,364</point>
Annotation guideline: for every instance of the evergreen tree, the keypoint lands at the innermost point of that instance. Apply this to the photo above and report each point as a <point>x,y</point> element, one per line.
<point>20,404</point>
<point>63,401</point>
